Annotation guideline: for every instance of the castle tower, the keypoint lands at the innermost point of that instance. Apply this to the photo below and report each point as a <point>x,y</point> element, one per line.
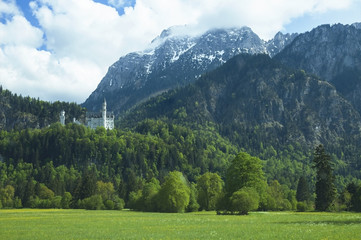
<point>104,113</point>
<point>62,117</point>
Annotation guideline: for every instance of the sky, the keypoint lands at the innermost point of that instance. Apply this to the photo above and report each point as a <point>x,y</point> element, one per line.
<point>61,49</point>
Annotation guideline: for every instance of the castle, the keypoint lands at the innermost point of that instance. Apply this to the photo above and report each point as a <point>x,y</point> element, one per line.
<point>93,119</point>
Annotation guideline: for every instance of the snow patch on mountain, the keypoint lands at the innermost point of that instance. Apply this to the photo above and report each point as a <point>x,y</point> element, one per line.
<point>175,58</point>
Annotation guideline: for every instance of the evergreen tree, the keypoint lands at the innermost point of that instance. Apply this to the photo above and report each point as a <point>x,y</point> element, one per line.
<point>87,184</point>
<point>303,192</point>
<point>325,189</point>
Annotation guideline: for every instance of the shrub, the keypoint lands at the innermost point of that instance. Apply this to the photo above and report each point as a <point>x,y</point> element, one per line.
<point>301,206</point>
<point>135,200</point>
<point>109,204</point>
<point>17,203</point>
<point>244,200</point>
<point>65,200</point>
<point>56,202</point>
<point>118,203</point>
<point>94,202</point>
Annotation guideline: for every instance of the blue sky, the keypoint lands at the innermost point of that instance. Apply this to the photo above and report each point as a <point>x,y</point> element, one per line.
<point>308,21</point>
<point>61,49</point>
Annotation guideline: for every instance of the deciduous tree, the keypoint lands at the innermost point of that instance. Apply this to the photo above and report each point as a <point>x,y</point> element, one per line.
<point>245,171</point>
<point>174,193</point>
<point>210,186</point>
<point>244,200</point>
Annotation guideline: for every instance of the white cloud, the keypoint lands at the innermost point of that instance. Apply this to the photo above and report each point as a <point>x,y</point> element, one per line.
<point>80,39</point>
<point>8,8</point>
<point>19,31</point>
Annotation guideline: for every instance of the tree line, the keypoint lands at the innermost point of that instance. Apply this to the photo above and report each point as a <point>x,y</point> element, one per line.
<point>96,170</point>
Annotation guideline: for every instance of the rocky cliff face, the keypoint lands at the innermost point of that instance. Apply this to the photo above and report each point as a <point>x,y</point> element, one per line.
<point>175,61</point>
<point>331,52</point>
<point>261,101</point>
<point>325,51</point>
<point>279,42</point>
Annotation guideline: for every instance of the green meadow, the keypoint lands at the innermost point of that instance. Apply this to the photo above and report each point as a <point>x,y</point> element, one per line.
<point>82,224</point>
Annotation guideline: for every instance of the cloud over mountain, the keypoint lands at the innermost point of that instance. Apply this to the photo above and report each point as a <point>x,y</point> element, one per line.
<point>67,46</point>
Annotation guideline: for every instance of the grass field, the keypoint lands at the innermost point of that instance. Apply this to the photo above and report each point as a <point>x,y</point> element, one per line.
<point>82,224</point>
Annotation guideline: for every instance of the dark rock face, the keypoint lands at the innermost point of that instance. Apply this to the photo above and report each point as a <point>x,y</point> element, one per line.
<point>331,52</point>
<point>261,99</point>
<point>279,41</point>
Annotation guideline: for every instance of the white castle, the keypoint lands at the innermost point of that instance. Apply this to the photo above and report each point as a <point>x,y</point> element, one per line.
<point>95,119</point>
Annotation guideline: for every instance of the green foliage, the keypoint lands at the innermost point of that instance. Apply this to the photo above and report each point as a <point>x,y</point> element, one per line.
<point>56,202</point>
<point>118,203</point>
<point>278,198</point>
<point>244,200</point>
<point>7,196</point>
<point>210,187</point>
<point>24,112</point>
<point>135,200</point>
<point>106,190</point>
<point>94,202</point>
<point>244,185</point>
<point>87,185</point>
<point>301,206</point>
<point>109,204</point>
<point>174,193</point>
<point>66,200</point>
<point>353,197</point>
<point>17,203</point>
<point>245,171</point>
<point>325,189</point>
<point>303,192</point>
<point>43,192</point>
<point>149,196</point>
<point>193,205</point>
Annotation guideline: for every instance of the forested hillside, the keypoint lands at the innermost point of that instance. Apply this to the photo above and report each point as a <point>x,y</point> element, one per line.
<point>259,104</point>
<point>18,112</point>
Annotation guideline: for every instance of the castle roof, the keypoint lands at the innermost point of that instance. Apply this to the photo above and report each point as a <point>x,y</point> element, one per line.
<point>98,114</point>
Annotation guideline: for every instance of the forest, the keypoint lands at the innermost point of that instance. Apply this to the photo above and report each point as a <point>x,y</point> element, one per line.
<point>18,112</point>
<point>156,166</point>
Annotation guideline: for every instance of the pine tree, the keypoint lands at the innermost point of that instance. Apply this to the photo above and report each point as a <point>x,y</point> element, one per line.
<point>325,189</point>
<point>303,192</point>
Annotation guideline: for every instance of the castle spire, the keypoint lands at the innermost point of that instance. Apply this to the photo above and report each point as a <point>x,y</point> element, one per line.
<point>62,117</point>
<point>104,113</point>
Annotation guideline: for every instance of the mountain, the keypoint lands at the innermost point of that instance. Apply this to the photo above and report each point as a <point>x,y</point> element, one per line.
<point>279,42</point>
<point>176,60</point>
<point>357,25</point>
<point>331,52</point>
<point>259,100</point>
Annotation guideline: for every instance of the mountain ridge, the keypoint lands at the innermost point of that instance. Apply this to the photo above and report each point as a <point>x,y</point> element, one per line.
<point>332,52</point>
<point>176,61</point>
